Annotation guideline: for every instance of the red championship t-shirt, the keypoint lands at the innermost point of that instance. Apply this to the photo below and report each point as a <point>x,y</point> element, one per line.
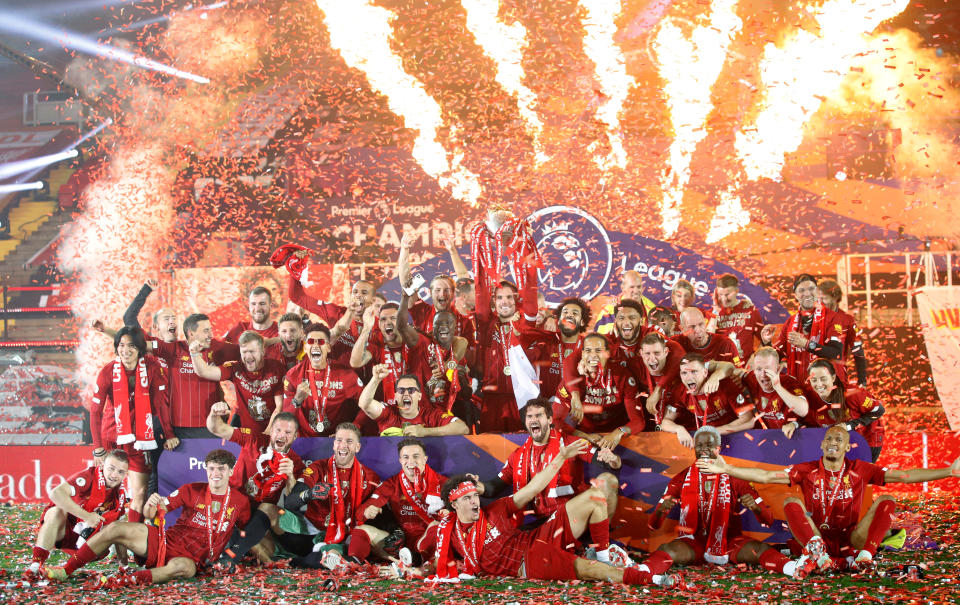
<point>256,391</point>
<point>206,521</point>
<point>834,497</point>
<point>742,324</point>
<point>191,397</point>
<point>337,389</point>
<point>400,360</point>
<point>772,412</point>
<point>253,473</point>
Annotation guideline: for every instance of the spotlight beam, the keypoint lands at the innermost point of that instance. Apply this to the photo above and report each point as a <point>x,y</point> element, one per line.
<point>15,24</point>
<point>11,168</point>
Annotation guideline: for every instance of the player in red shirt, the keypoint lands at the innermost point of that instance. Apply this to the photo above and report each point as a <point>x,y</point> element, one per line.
<point>554,354</point>
<point>830,296</point>
<point>705,399</point>
<point>711,504</point>
<point>778,399</point>
<point>290,348</point>
<point>259,305</point>
<point>258,381</point>
<point>266,469</point>
<point>735,317</point>
<point>541,446</point>
<point>813,332</point>
<point>191,397</point>
<point>827,521</point>
<point>320,394</point>
<point>662,360</point>
<point>853,409</point>
<point>129,410</point>
<point>696,339</point>
<point>81,506</point>
<point>332,491</point>
<point>490,542</point>
<point>405,415</point>
<point>210,513</point>
<point>413,496</point>
<point>611,403</point>
<point>390,348</point>
<point>361,296</point>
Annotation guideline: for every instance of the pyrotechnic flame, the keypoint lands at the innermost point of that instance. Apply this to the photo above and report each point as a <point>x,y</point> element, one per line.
<point>610,71</point>
<point>689,68</point>
<point>730,215</point>
<point>797,75</point>
<point>505,44</point>
<point>361,33</point>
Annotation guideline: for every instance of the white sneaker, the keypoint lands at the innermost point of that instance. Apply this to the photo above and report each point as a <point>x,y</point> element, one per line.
<point>864,562</point>
<point>333,561</point>
<point>616,556</point>
<point>405,556</point>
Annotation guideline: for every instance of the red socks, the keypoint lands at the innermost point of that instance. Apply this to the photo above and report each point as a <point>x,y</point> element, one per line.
<point>359,544</point>
<point>80,558</point>
<point>798,523</point>
<point>879,526</point>
<point>600,533</point>
<point>143,576</point>
<point>636,577</point>
<point>773,560</point>
<point>658,562</point>
<point>40,554</point>
<point>134,516</point>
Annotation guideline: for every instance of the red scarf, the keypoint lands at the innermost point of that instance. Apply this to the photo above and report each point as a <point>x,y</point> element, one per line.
<point>427,484</point>
<point>797,357</point>
<point>339,517</point>
<point>141,433</point>
<point>527,467</point>
<point>714,506</point>
<point>450,531</point>
<point>98,497</point>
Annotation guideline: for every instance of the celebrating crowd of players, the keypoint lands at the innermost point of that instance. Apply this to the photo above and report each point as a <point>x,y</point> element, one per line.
<point>483,355</point>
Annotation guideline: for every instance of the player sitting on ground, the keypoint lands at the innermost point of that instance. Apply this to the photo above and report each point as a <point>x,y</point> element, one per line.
<point>826,522</point>
<point>210,512</point>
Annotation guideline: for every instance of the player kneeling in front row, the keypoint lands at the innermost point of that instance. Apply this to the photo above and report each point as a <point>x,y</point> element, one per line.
<point>491,543</point>
<point>826,523</point>
<point>211,510</point>
<point>82,506</point>
<point>710,507</point>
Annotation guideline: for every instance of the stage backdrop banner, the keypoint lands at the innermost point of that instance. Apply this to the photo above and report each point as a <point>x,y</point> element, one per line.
<point>582,258</point>
<point>940,315</point>
<point>650,460</point>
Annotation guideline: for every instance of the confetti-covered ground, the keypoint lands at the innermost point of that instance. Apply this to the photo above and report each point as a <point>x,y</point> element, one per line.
<point>940,516</point>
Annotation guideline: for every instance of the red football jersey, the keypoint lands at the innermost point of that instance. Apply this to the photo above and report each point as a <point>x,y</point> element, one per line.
<point>191,532</point>
<point>391,492</point>
<point>857,401</point>
<point>742,324</point>
<point>738,487</point>
<point>715,409</point>
<point>422,314</point>
<point>609,402</point>
<point>103,424</point>
<point>428,415</point>
<point>191,397</point>
<point>834,497</point>
<point>719,348</point>
<point>318,511</point>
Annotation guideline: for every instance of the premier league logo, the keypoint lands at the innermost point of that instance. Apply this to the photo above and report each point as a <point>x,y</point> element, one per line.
<point>576,252</point>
